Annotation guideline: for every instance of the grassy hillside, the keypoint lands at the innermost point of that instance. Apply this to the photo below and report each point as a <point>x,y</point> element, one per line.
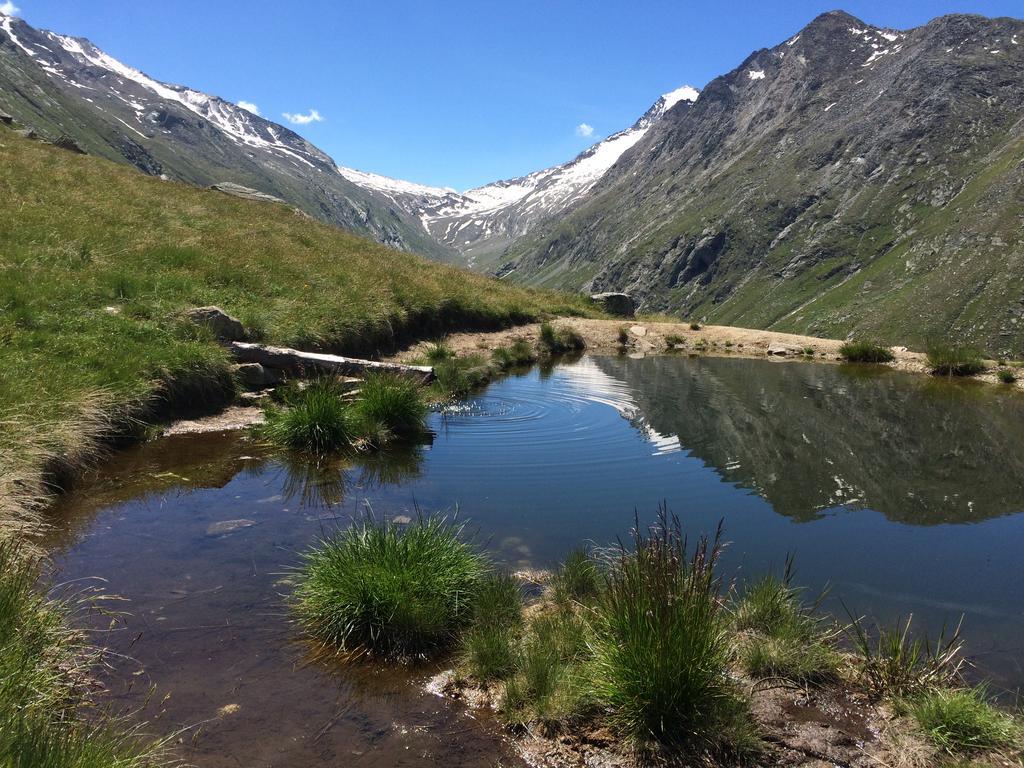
<point>97,261</point>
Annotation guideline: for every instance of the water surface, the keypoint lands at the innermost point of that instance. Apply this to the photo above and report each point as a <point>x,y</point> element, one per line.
<point>902,493</point>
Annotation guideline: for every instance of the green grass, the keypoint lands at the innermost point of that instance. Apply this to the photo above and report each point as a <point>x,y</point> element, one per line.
<point>547,685</point>
<point>1006,376</point>
<point>560,340</point>
<point>694,326</point>
<point>519,355</point>
<point>438,353</point>
<point>785,639</point>
<point>674,340</point>
<point>623,336</point>
<point>865,352</point>
<point>315,420</point>
<point>894,661</point>
<point>99,261</point>
<point>577,580</point>
<point>488,645</point>
<point>318,419</point>
<point>950,360</point>
<point>661,643</point>
<point>460,376</point>
<point>395,591</point>
<point>962,721</point>
<point>44,668</point>
<point>389,405</point>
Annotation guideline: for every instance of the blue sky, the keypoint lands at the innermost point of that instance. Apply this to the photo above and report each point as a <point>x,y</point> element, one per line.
<point>450,92</point>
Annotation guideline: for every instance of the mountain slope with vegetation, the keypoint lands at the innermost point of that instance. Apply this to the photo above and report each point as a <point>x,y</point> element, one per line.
<point>97,263</point>
<point>852,180</point>
<point>66,86</point>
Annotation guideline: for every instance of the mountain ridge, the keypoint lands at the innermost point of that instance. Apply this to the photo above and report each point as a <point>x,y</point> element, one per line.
<point>828,185</point>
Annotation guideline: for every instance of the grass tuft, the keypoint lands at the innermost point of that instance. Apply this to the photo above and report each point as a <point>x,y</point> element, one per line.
<point>961,720</point>
<point>559,341</point>
<point>949,360</point>
<point>396,591</point>
<point>577,579</point>
<point>1006,376</point>
<point>865,352</point>
<point>893,661</point>
<point>661,646</point>
<point>519,355</point>
<point>316,420</point>
<point>487,646</point>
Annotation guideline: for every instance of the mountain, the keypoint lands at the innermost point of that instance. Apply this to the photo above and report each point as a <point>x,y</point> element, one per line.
<point>66,86</point>
<point>851,180</point>
<point>482,222</point>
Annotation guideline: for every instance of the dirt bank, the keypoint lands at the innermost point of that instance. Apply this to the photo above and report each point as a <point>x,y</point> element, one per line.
<point>652,337</point>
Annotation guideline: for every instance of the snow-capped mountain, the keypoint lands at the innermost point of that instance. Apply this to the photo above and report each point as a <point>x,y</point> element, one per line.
<point>63,85</point>
<point>480,223</point>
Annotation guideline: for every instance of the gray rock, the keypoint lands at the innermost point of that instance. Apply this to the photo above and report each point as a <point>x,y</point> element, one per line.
<point>638,330</point>
<point>66,142</point>
<point>618,304</point>
<point>254,377</point>
<point>220,323</point>
<point>247,193</point>
<point>27,133</point>
<point>781,350</point>
<point>5,118</point>
<point>228,526</point>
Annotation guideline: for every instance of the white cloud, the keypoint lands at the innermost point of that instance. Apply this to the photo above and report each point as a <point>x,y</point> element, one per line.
<point>312,117</point>
<point>8,8</point>
<point>249,106</point>
<point>585,130</point>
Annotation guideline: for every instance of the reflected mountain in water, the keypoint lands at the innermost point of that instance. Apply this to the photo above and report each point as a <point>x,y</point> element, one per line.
<point>809,438</point>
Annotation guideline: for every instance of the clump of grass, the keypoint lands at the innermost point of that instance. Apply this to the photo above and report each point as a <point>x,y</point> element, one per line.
<point>694,326</point>
<point>865,352</point>
<point>786,639</point>
<point>674,340</point>
<point>950,360</point>
<point>577,579</point>
<point>390,404</point>
<point>893,661</point>
<point>962,721</point>
<point>519,355</point>
<point>44,669</point>
<point>661,646</point>
<point>396,591</point>
<point>438,352</point>
<point>316,419</point>
<point>1006,376</point>
<point>487,647</point>
<point>623,336</point>
<point>547,686</point>
<point>559,341</point>
<point>807,351</point>
<point>459,376</point>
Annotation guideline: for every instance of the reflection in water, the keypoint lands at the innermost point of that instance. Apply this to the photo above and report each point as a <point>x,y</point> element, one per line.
<point>867,477</point>
<point>813,437</point>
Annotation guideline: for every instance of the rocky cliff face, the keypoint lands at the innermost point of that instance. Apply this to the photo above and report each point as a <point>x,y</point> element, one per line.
<point>849,180</point>
<point>66,86</point>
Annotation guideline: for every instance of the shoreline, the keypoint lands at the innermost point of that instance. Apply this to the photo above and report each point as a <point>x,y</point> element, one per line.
<point>649,337</point>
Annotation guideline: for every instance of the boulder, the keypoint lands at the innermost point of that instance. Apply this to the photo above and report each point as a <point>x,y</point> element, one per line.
<point>6,119</point>
<point>66,142</point>
<point>254,377</point>
<point>220,323</point>
<point>638,330</point>
<point>27,133</point>
<point>246,193</point>
<point>781,350</point>
<point>618,304</point>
